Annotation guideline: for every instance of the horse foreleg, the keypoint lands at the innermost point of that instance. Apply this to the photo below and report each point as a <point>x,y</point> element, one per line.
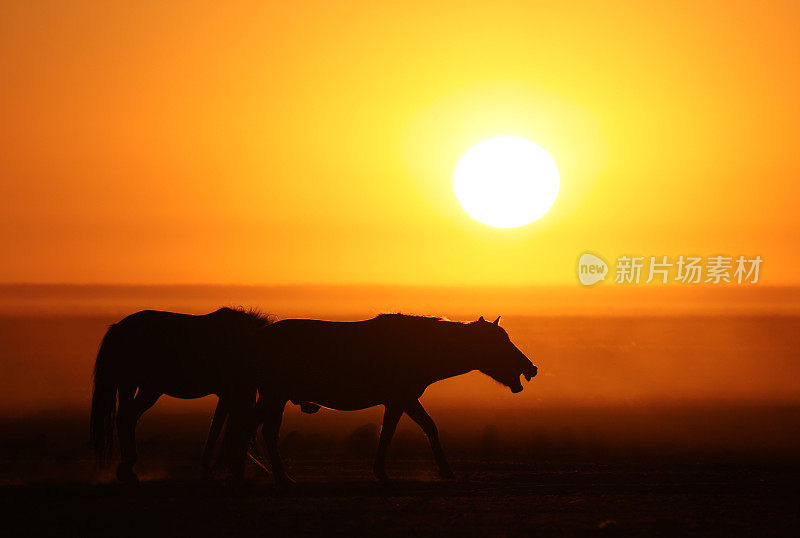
<point>391,416</point>
<point>272,415</point>
<point>220,414</point>
<point>424,420</point>
<point>130,410</point>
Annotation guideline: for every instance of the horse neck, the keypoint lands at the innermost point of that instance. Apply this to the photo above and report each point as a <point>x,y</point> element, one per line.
<point>453,351</point>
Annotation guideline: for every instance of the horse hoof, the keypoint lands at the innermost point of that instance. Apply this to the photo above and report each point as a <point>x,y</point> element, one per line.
<point>447,474</point>
<point>284,481</point>
<point>208,473</point>
<point>234,482</point>
<point>127,476</point>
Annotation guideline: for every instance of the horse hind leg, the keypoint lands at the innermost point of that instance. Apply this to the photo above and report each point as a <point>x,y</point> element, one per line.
<point>238,433</point>
<point>130,410</point>
<point>220,414</point>
<point>271,412</point>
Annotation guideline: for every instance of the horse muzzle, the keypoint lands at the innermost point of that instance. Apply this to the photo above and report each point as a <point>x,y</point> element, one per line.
<point>530,372</point>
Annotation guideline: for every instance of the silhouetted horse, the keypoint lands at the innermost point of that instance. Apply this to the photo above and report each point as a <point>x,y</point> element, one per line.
<point>388,360</point>
<point>151,353</point>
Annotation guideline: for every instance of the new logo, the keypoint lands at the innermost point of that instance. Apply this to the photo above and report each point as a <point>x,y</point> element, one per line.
<point>591,269</point>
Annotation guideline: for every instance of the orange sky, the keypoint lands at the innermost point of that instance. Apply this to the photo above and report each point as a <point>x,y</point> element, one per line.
<point>315,142</point>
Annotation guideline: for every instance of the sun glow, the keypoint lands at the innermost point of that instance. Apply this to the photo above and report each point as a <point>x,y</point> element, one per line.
<point>506,182</point>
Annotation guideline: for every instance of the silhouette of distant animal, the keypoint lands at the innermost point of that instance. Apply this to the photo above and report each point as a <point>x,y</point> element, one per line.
<point>389,360</point>
<point>151,353</point>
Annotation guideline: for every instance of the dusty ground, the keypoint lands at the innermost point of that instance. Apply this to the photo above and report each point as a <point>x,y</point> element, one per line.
<point>584,455</point>
<point>488,499</point>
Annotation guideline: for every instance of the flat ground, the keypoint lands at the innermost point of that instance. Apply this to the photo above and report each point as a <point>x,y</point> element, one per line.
<point>495,499</point>
<point>579,452</point>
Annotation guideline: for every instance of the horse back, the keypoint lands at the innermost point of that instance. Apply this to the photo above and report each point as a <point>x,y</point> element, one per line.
<point>348,364</point>
<point>183,353</point>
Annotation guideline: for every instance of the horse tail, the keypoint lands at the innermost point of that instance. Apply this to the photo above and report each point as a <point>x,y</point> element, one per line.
<point>104,397</point>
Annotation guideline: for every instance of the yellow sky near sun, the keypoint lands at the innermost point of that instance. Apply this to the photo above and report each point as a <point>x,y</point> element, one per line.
<point>314,142</point>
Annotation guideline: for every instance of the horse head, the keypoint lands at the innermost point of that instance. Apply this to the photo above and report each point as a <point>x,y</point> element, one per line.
<point>499,358</point>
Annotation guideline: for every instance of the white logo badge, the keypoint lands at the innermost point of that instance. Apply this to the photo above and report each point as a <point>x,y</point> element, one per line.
<point>591,269</point>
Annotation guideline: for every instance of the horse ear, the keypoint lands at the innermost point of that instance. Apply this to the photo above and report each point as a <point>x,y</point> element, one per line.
<point>481,319</point>
<point>497,321</point>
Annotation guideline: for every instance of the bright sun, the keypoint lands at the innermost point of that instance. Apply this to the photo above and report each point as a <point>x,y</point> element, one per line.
<point>506,182</point>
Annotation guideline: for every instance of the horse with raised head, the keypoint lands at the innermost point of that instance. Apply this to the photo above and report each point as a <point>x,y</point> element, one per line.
<point>151,353</point>
<point>389,360</point>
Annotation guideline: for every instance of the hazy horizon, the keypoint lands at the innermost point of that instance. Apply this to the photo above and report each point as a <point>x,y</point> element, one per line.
<point>342,301</point>
<point>594,346</point>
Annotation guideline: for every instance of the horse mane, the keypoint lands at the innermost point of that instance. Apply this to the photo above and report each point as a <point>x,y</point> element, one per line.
<point>409,317</point>
<point>253,316</point>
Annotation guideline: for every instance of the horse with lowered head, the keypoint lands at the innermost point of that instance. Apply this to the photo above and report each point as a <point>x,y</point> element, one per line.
<point>389,360</point>
<point>151,353</point>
